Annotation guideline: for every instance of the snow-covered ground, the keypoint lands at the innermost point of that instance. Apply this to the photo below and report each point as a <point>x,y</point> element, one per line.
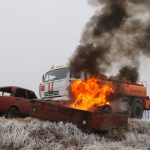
<point>32,134</point>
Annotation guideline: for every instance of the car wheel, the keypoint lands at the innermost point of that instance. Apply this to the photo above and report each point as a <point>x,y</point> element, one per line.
<point>12,113</point>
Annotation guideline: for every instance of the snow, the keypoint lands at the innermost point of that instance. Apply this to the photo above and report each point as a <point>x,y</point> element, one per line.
<point>32,134</point>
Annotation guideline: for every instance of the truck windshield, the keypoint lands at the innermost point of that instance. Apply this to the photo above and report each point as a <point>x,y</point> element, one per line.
<point>56,74</point>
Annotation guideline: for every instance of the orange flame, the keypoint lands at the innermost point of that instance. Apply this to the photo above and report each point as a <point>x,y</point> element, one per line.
<point>90,93</point>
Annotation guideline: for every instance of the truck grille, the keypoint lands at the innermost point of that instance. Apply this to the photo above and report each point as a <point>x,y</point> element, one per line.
<point>52,94</point>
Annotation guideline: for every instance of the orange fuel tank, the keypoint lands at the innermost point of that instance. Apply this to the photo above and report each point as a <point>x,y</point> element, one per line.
<point>127,88</point>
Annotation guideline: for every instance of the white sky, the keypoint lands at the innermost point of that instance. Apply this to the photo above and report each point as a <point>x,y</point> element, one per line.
<point>35,34</point>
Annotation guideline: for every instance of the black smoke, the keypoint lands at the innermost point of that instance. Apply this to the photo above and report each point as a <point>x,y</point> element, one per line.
<point>119,33</point>
<point>128,73</point>
<point>112,18</point>
<point>88,57</point>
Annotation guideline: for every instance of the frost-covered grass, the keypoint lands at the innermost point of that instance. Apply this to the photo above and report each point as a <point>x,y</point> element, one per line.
<point>32,134</point>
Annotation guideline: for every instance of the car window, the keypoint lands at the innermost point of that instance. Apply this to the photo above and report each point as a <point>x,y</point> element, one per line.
<point>5,93</point>
<point>31,95</point>
<point>21,93</point>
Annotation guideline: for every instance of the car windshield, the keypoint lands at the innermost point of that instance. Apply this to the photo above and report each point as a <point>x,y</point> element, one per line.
<point>56,74</point>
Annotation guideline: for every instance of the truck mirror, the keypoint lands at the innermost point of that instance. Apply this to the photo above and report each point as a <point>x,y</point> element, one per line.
<point>43,77</point>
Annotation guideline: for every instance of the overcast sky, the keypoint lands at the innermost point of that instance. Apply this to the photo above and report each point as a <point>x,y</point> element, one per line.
<point>35,34</point>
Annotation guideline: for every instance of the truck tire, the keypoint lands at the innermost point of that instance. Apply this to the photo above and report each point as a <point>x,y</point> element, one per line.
<point>125,106</point>
<point>12,113</point>
<point>137,110</point>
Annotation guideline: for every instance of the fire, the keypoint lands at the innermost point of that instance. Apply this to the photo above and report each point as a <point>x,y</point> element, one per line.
<point>90,93</point>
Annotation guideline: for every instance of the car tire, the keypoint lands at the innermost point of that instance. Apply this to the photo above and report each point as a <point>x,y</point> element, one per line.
<point>12,113</point>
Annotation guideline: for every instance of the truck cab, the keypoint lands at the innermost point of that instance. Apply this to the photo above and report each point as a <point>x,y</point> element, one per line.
<point>55,83</point>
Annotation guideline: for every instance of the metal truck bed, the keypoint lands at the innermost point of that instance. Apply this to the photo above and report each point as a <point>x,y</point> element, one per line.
<point>54,111</point>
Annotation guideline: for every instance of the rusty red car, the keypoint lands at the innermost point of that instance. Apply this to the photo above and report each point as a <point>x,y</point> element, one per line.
<point>15,101</point>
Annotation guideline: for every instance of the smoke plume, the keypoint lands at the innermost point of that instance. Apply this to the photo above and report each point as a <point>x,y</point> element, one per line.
<point>128,73</point>
<point>119,33</point>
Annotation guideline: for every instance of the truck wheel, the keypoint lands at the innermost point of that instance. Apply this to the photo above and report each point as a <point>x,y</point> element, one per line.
<point>12,113</point>
<point>125,105</point>
<point>137,110</point>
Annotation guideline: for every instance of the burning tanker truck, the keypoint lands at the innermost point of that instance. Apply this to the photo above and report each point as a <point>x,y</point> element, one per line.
<point>78,99</point>
<point>94,93</point>
<point>117,34</point>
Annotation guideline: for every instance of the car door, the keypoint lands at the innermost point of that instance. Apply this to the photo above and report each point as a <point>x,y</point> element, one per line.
<point>22,101</point>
